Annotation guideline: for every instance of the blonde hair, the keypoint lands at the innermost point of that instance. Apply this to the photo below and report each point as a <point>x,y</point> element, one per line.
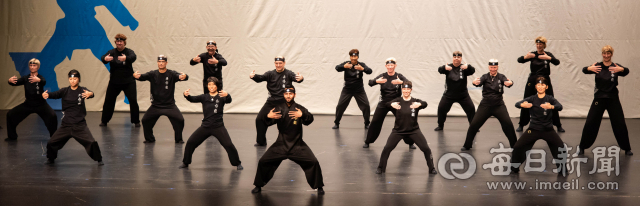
<point>543,40</point>
<point>34,61</point>
<point>607,49</point>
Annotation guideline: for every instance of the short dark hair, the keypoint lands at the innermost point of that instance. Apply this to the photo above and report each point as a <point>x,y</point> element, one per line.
<point>407,83</point>
<point>541,79</point>
<point>214,80</point>
<point>354,51</point>
<point>75,73</point>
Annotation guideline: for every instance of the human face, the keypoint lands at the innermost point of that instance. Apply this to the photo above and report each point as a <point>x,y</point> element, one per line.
<point>540,47</point>
<point>354,59</point>
<point>33,68</point>
<point>120,45</point>
<point>457,60</point>
<point>391,68</point>
<point>606,56</point>
<point>211,49</point>
<point>74,81</point>
<point>493,70</point>
<point>162,64</point>
<point>406,92</point>
<point>279,66</point>
<point>289,96</point>
<point>541,88</point>
<point>212,87</point>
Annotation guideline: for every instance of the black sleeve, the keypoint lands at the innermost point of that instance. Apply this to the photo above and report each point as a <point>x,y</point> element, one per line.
<point>586,69</point>
<point>366,70</point>
<point>194,99</point>
<point>372,82</point>
<point>93,94</point>
<point>623,73</point>
<point>260,78</point>
<point>146,76</point>
<point>470,70</point>
<point>504,79</point>
<point>482,79</point>
<point>227,99</point>
<point>221,60</point>
<point>21,80</point>
<point>58,94</point>
<point>103,56</point>
<point>292,75</point>
<point>442,69</point>
<point>522,60</point>
<point>307,117</point>
<point>553,60</point>
<point>556,105</point>
<point>131,57</point>
<point>194,62</point>
<point>340,67</point>
<point>176,76</point>
<point>423,104</point>
<point>528,99</point>
<point>43,81</point>
<point>404,79</point>
<point>388,104</point>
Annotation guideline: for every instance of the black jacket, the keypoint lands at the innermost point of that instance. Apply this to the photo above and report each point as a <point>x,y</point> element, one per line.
<point>492,89</point>
<point>606,82</point>
<point>211,70</point>
<point>212,108</point>
<point>539,66</point>
<point>541,120</point>
<point>388,91</point>
<point>120,72</point>
<point>353,77</point>
<point>73,107</point>
<point>456,87</point>
<point>406,117</point>
<point>290,130</point>
<point>276,82</point>
<point>163,86</point>
<point>32,91</point>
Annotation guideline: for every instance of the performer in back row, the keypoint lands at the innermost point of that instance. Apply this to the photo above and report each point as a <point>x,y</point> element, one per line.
<point>120,60</point>
<point>353,87</point>
<point>33,103</point>
<point>212,63</point>
<point>276,80</point>
<point>455,89</point>
<point>541,61</point>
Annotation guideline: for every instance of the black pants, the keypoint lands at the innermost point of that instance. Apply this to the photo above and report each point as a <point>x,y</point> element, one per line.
<point>262,123</point>
<point>205,85</point>
<point>594,118</point>
<point>361,99</point>
<point>153,114</point>
<point>482,115</point>
<point>201,134</point>
<point>81,134</point>
<point>301,154</point>
<point>530,89</point>
<point>529,138</point>
<point>22,111</point>
<point>446,103</point>
<point>376,124</point>
<point>113,90</point>
<point>393,140</point>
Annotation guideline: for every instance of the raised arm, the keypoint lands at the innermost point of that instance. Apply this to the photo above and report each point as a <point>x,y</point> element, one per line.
<point>260,78</point>
<point>366,70</point>
<point>505,79</point>
<point>19,81</point>
<point>470,70</point>
<point>194,99</point>
<point>372,82</point>
<point>221,60</point>
<point>553,60</point>
<point>519,103</point>
<point>423,104</point>
<point>145,76</point>
<point>227,99</point>
<point>556,105</point>
<point>442,69</point>
<point>131,56</point>
<point>307,117</point>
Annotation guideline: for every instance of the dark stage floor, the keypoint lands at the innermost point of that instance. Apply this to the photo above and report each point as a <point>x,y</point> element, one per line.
<point>147,174</point>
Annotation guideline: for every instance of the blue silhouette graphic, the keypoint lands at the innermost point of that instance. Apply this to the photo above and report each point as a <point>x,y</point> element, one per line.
<point>79,29</point>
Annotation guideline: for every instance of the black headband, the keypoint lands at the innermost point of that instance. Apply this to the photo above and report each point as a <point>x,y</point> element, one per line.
<point>120,39</point>
<point>493,63</point>
<point>541,82</point>
<point>407,86</point>
<point>292,90</point>
<point>30,63</point>
<point>391,62</point>
<point>354,54</point>
<point>539,41</point>
<point>211,43</point>
<point>162,58</point>
<point>74,75</point>
<point>279,59</point>
<point>457,55</point>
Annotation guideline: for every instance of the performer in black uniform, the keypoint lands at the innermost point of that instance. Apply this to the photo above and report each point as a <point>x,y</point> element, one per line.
<point>163,86</point>
<point>290,117</point>
<point>353,87</point>
<point>541,107</point>
<point>389,82</point>
<point>73,123</point>
<point>541,61</point>
<point>606,98</point>
<point>492,84</point>
<point>276,80</point>
<point>33,103</point>
<point>120,60</point>
<point>406,126</point>
<point>212,63</point>
<point>455,89</point>
<point>212,125</point>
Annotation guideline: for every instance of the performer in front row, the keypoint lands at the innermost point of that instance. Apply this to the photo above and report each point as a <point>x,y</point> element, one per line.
<point>406,126</point>
<point>163,86</point>
<point>73,123</point>
<point>353,87</point>
<point>541,107</point>
<point>212,63</point>
<point>212,124</point>
<point>276,80</point>
<point>455,89</point>
<point>606,98</point>
<point>389,82</point>
<point>290,117</point>
<point>541,61</point>
<point>34,103</point>
<point>492,84</point>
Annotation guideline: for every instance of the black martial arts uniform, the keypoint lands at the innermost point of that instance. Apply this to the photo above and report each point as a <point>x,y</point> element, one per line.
<point>121,79</point>
<point>388,92</point>
<point>606,98</point>
<point>455,90</point>
<point>539,68</point>
<point>406,126</point>
<point>353,87</point>
<point>491,105</point>
<point>275,85</point>
<point>541,128</point>
<point>73,124</point>
<point>212,125</point>
<point>289,145</point>
<point>33,103</point>
<point>210,70</point>
<point>163,86</point>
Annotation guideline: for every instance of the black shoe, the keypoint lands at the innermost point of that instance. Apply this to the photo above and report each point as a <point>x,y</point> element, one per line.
<point>580,151</point>
<point>515,170</point>
<point>100,163</point>
<point>50,162</point>
<point>366,145</point>
<point>137,125</point>
<point>366,126</point>
<point>465,149</point>
<point>148,141</point>
<point>411,146</point>
<point>560,129</point>
<point>183,166</point>
<point>259,145</point>
<point>337,126</point>
<point>519,129</point>
<point>379,171</point>
<point>433,171</point>
<point>10,139</point>
<point>320,191</point>
<point>628,152</point>
<point>438,129</point>
<point>239,167</point>
<point>103,124</point>
<point>179,142</point>
<point>256,190</point>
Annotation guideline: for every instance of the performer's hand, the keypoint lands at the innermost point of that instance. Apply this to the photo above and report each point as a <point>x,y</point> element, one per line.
<point>182,76</point>
<point>508,83</point>
<point>476,81</point>
<point>447,67</point>
<point>122,58</point>
<point>526,104</point>
<point>295,114</point>
<point>381,80</point>
<point>546,105</point>
<point>299,77</point>
<point>544,57</point>
<point>223,93</point>
<point>13,79</point>
<point>395,105</point>
<point>197,59</point>
<point>108,58</point>
<point>213,60</point>
<point>33,79</point>
<point>594,68</point>
<point>252,74</point>
<point>397,81</point>
<point>45,95</point>
<point>615,69</point>
<point>186,92</point>
<point>464,66</point>
<point>136,75</point>
<point>415,105</point>
<point>529,55</point>
<point>274,115</point>
<point>348,65</point>
<point>359,68</point>
<point>87,94</point>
